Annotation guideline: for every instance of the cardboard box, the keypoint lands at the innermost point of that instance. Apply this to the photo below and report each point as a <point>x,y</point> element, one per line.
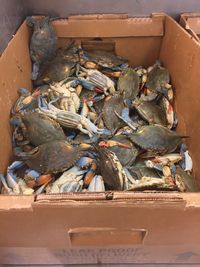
<point>110,227</point>
<point>191,23</point>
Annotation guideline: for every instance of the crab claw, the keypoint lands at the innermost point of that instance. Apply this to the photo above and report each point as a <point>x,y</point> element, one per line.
<point>97,184</point>
<point>34,179</point>
<point>44,179</point>
<point>36,93</point>
<point>84,162</point>
<point>12,178</point>
<point>85,146</point>
<point>90,174</point>
<point>23,92</point>
<point>111,143</point>
<point>4,183</point>
<point>103,144</point>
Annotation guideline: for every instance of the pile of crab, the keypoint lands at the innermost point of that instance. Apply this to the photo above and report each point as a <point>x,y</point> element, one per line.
<point>93,123</point>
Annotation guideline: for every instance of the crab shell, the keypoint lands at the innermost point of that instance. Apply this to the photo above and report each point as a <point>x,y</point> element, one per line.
<point>111,170</point>
<point>128,84</point>
<point>112,104</point>
<point>103,58</point>
<point>156,138</point>
<point>126,156</point>
<point>56,156</point>
<point>157,78</point>
<point>139,169</point>
<point>150,112</point>
<point>190,183</point>
<point>40,129</point>
<point>56,70</point>
<point>43,40</point>
<point>153,183</point>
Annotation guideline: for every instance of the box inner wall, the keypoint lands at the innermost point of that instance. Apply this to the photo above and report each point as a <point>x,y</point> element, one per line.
<point>15,72</point>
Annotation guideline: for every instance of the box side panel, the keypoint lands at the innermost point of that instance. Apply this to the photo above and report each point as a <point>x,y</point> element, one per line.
<point>181,55</point>
<point>165,223</point>
<point>48,225</point>
<point>15,72</point>
<point>138,39</point>
<point>171,230</point>
<point>150,256</point>
<point>139,50</point>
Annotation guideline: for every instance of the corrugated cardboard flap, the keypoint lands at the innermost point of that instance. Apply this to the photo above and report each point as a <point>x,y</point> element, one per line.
<point>20,202</point>
<point>93,26</point>
<point>65,197</point>
<point>112,198</point>
<point>191,22</point>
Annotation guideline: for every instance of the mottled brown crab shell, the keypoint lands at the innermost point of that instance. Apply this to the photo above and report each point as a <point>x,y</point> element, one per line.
<point>111,169</point>
<point>57,70</point>
<point>103,58</point>
<point>129,84</point>
<point>151,112</point>
<point>157,78</point>
<point>156,138</point>
<point>56,156</point>
<point>42,49</point>
<point>126,156</point>
<point>112,104</point>
<point>40,129</point>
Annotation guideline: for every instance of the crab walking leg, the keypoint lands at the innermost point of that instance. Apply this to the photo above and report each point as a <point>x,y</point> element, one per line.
<point>71,119</point>
<point>80,127</point>
<point>11,177</point>
<point>3,180</point>
<point>124,120</point>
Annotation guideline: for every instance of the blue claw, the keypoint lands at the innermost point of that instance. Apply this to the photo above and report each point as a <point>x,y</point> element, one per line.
<point>84,162</point>
<point>13,167</point>
<point>106,132</point>
<point>23,92</point>
<point>15,121</point>
<point>33,174</point>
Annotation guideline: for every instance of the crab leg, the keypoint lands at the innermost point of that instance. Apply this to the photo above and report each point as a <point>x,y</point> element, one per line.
<point>124,120</point>
<point>71,120</point>
<point>3,180</point>
<point>11,177</point>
